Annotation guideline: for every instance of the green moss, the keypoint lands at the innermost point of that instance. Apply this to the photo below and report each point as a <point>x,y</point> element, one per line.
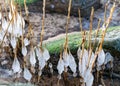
<point>113,28</point>
<point>56,45</point>
<point>21,2</point>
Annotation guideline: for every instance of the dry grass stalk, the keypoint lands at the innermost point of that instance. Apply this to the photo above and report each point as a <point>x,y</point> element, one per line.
<point>106,5</point>
<point>98,28</point>
<point>26,8</point>
<point>68,20</point>
<point>80,20</point>
<point>42,32</point>
<point>91,26</point>
<point>43,19</point>
<point>91,49</point>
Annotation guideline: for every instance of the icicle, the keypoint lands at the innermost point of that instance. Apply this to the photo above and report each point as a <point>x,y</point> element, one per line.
<point>88,78</point>
<point>60,66</point>
<point>24,50</point>
<point>10,29</point>
<point>38,52</point>
<point>46,55</point>
<point>27,75</point>
<point>32,58</point>
<point>26,42</point>
<point>91,60</point>
<point>16,66</point>
<point>20,20</point>
<point>80,68</point>
<point>85,56</point>
<point>66,59</point>
<point>10,16</point>
<point>4,24</point>
<point>13,42</point>
<point>79,52</point>
<point>84,62</point>
<point>100,59</point>
<point>42,62</point>
<point>72,63</point>
<point>20,24</point>
<point>108,58</point>
<point>1,35</point>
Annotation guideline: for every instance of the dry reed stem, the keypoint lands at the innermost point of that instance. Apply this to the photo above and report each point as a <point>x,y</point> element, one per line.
<point>90,34</point>
<point>83,45</point>
<point>24,58</point>
<point>42,32</point>
<point>98,28</point>
<point>91,26</point>
<point>83,36</point>
<point>107,24</point>
<point>68,20</point>
<point>106,5</point>
<point>80,20</point>
<point>43,19</point>
<point>26,8</point>
<point>91,49</point>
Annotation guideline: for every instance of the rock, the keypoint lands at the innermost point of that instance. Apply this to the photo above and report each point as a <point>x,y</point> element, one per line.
<point>61,6</point>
